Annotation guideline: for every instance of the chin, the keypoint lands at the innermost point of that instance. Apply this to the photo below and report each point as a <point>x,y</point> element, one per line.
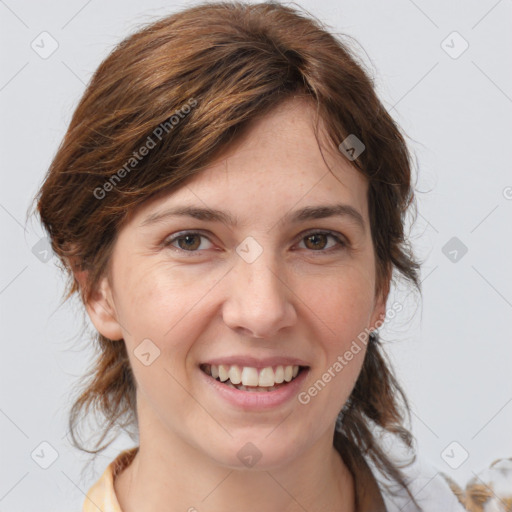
<point>257,453</point>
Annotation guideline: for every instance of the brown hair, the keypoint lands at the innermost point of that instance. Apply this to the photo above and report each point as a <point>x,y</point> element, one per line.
<point>231,63</point>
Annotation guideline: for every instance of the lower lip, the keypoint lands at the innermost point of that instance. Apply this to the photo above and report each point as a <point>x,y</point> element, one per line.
<point>257,400</point>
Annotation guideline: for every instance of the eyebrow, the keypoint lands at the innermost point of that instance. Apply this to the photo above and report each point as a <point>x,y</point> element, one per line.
<point>294,217</point>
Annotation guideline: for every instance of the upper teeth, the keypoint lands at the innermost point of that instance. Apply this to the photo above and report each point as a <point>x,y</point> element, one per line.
<point>249,376</point>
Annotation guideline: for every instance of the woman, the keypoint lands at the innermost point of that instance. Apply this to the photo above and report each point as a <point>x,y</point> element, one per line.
<point>229,200</point>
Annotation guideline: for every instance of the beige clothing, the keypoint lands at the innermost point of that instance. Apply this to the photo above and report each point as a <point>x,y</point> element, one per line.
<point>492,490</point>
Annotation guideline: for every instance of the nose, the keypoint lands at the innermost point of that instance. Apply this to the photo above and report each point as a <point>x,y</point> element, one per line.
<point>259,300</point>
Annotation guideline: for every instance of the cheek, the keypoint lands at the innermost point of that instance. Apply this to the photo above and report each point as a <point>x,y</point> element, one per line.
<point>343,304</point>
<point>160,316</point>
<point>148,302</point>
<point>165,305</point>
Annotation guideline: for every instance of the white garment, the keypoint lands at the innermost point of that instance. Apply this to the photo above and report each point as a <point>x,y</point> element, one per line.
<point>432,490</point>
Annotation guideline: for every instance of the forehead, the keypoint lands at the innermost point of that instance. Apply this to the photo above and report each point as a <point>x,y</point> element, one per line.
<point>277,165</point>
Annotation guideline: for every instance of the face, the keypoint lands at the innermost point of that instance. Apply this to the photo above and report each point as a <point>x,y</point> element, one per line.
<point>269,283</point>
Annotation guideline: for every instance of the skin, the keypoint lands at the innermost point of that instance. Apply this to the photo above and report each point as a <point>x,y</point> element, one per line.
<point>301,298</point>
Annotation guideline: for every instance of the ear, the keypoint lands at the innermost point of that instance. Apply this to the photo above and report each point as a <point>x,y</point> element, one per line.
<point>378,316</point>
<point>101,308</point>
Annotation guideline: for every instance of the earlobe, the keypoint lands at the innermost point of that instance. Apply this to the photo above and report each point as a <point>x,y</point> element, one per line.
<point>378,319</point>
<point>101,308</point>
<point>379,311</point>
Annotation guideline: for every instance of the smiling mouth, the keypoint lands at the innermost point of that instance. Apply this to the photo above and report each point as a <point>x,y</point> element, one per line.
<point>252,379</point>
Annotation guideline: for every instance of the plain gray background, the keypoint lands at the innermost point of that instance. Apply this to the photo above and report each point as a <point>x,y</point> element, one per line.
<point>452,352</point>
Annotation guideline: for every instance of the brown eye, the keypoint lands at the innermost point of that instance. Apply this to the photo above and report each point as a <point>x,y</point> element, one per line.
<point>190,242</point>
<point>318,241</point>
<point>186,241</point>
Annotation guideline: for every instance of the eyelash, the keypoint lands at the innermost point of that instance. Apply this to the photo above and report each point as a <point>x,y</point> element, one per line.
<point>341,243</point>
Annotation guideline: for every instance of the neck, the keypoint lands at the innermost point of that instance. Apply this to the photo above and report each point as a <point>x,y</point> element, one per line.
<point>167,474</point>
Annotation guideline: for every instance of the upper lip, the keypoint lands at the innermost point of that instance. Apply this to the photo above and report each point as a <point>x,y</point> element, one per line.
<point>255,362</point>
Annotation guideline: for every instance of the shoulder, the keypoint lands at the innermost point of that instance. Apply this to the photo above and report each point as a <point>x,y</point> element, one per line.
<point>430,489</point>
<point>490,490</point>
<point>102,495</point>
